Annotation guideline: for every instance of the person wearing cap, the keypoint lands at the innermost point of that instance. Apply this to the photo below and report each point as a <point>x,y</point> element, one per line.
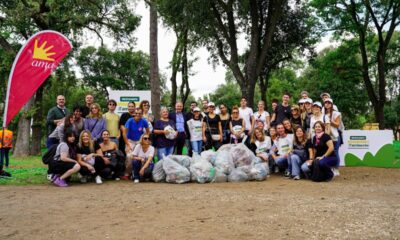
<point>335,119</point>
<point>301,105</point>
<point>296,120</point>
<point>307,113</point>
<point>246,114</point>
<point>282,111</point>
<point>195,126</point>
<point>212,128</point>
<point>325,96</point>
<point>180,119</point>
<point>261,116</point>
<point>318,116</point>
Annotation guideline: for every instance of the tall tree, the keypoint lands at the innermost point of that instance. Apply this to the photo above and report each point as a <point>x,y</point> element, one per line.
<point>363,19</point>
<point>219,24</point>
<point>154,75</point>
<point>24,18</point>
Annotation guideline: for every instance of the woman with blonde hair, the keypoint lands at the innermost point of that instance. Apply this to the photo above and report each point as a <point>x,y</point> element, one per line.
<point>142,161</point>
<point>94,122</point>
<point>260,144</point>
<point>91,158</point>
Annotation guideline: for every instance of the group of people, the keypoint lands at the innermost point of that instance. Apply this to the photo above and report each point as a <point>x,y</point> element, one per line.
<point>290,139</point>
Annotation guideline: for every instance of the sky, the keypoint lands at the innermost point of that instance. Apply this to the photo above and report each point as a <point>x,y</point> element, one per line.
<point>206,78</point>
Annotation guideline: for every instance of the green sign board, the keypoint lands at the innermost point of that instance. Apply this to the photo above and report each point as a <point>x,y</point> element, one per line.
<point>129,99</point>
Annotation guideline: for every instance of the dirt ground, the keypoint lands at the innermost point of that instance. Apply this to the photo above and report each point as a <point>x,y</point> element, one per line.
<point>363,203</point>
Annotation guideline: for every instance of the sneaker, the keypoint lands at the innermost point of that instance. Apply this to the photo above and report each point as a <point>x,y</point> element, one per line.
<point>98,180</point>
<point>125,177</point>
<point>276,169</point>
<point>136,181</point>
<point>60,182</point>
<point>54,177</point>
<point>335,172</point>
<point>117,179</point>
<point>287,174</point>
<point>50,177</point>
<point>4,174</point>
<point>296,178</point>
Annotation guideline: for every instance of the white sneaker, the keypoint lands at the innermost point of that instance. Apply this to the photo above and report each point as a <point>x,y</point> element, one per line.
<point>50,177</point>
<point>136,181</point>
<point>296,178</point>
<point>98,180</point>
<point>336,172</point>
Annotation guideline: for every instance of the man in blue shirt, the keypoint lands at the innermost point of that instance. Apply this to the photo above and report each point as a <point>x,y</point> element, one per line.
<point>180,119</point>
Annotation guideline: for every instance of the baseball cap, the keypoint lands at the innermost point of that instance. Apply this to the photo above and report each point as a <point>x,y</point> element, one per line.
<point>211,104</point>
<point>196,109</point>
<point>308,100</point>
<point>328,100</point>
<point>325,94</point>
<point>318,104</point>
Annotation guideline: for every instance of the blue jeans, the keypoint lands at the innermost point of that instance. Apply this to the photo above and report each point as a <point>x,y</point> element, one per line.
<point>4,156</point>
<point>196,146</point>
<point>296,163</point>
<point>282,162</point>
<point>136,166</point>
<point>164,152</point>
<point>336,145</point>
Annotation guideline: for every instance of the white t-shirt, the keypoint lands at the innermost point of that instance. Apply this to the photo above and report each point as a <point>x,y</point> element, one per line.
<point>262,117</point>
<point>138,152</point>
<point>284,145</point>
<point>195,129</point>
<point>263,146</point>
<point>334,131</point>
<point>314,119</point>
<point>245,114</point>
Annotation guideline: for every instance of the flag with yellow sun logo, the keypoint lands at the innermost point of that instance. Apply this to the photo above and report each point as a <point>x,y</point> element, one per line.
<point>35,61</point>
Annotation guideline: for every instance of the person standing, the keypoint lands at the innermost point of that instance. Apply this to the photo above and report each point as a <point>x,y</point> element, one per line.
<point>79,121</point>
<point>56,115</point>
<point>261,116</point>
<point>225,121</point>
<point>122,121</point>
<point>212,129</point>
<point>246,114</point>
<point>95,122</point>
<point>89,100</point>
<point>335,118</point>
<point>180,119</point>
<point>318,116</point>
<point>205,107</point>
<point>296,120</point>
<point>112,121</point>
<point>166,133</point>
<point>195,129</point>
<point>306,114</point>
<point>6,138</point>
<point>237,126</point>
<point>283,110</point>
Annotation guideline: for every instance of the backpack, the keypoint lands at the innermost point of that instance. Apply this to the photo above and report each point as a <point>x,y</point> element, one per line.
<point>50,154</point>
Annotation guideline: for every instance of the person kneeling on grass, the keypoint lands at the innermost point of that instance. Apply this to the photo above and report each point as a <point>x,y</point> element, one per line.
<point>64,164</point>
<point>91,159</point>
<point>142,163</point>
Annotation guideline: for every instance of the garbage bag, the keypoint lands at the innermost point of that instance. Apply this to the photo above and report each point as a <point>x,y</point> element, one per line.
<point>224,162</point>
<point>241,155</point>
<point>182,160</point>
<point>219,176</point>
<point>256,160</point>
<point>201,170</point>
<point>226,147</point>
<point>175,172</point>
<point>260,171</point>
<point>248,169</point>
<point>209,155</point>
<point>158,172</point>
<point>237,175</point>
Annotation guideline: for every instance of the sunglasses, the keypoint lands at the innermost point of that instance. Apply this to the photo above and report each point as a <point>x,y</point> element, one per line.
<point>235,112</point>
<point>111,104</point>
<point>146,138</point>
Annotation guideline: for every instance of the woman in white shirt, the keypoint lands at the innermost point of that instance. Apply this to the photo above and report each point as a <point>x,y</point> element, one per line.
<point>261,116</point>
<point>262,144</point>
<point>318,116</point>
<point>335,119</point>
<point>142,161</point>
<point>195,126</point>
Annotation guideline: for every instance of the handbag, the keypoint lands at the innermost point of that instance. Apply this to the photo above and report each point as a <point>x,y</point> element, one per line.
<point>214,137</point>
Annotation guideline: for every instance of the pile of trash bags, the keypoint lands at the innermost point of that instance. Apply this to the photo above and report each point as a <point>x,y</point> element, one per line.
<point>231,163</point>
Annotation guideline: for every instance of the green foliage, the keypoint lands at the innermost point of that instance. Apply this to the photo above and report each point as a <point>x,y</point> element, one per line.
<point>119,70</point>
<point>338,71</point>
<point>385,157</point>
<point>25,171</point>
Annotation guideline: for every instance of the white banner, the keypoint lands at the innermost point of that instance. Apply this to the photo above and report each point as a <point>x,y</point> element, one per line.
<point>359,142</point>
<point>125,96</point>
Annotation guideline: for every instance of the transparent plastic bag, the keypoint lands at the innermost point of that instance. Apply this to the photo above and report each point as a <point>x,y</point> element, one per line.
<point>175,172</point>
<point>219,176</point>
<point>237,175</point>
<point>201,170</point>
<point>182,160</point>
<point>226,147</point>
<point>241,155</point>
<point>158,172</point>
<point>209,155</point>
<point>261,171</point>
<point>224,162</point>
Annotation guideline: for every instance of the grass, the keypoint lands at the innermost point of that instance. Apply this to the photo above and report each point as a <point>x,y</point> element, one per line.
<point>25,171</point>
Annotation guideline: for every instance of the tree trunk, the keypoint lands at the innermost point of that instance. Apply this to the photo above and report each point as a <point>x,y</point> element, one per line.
<point>37,123</point>
<point>24,127</point>
<point>185,90</point>
<point>176,61</point>
<point>154,78</point>
<point>379,115</point>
